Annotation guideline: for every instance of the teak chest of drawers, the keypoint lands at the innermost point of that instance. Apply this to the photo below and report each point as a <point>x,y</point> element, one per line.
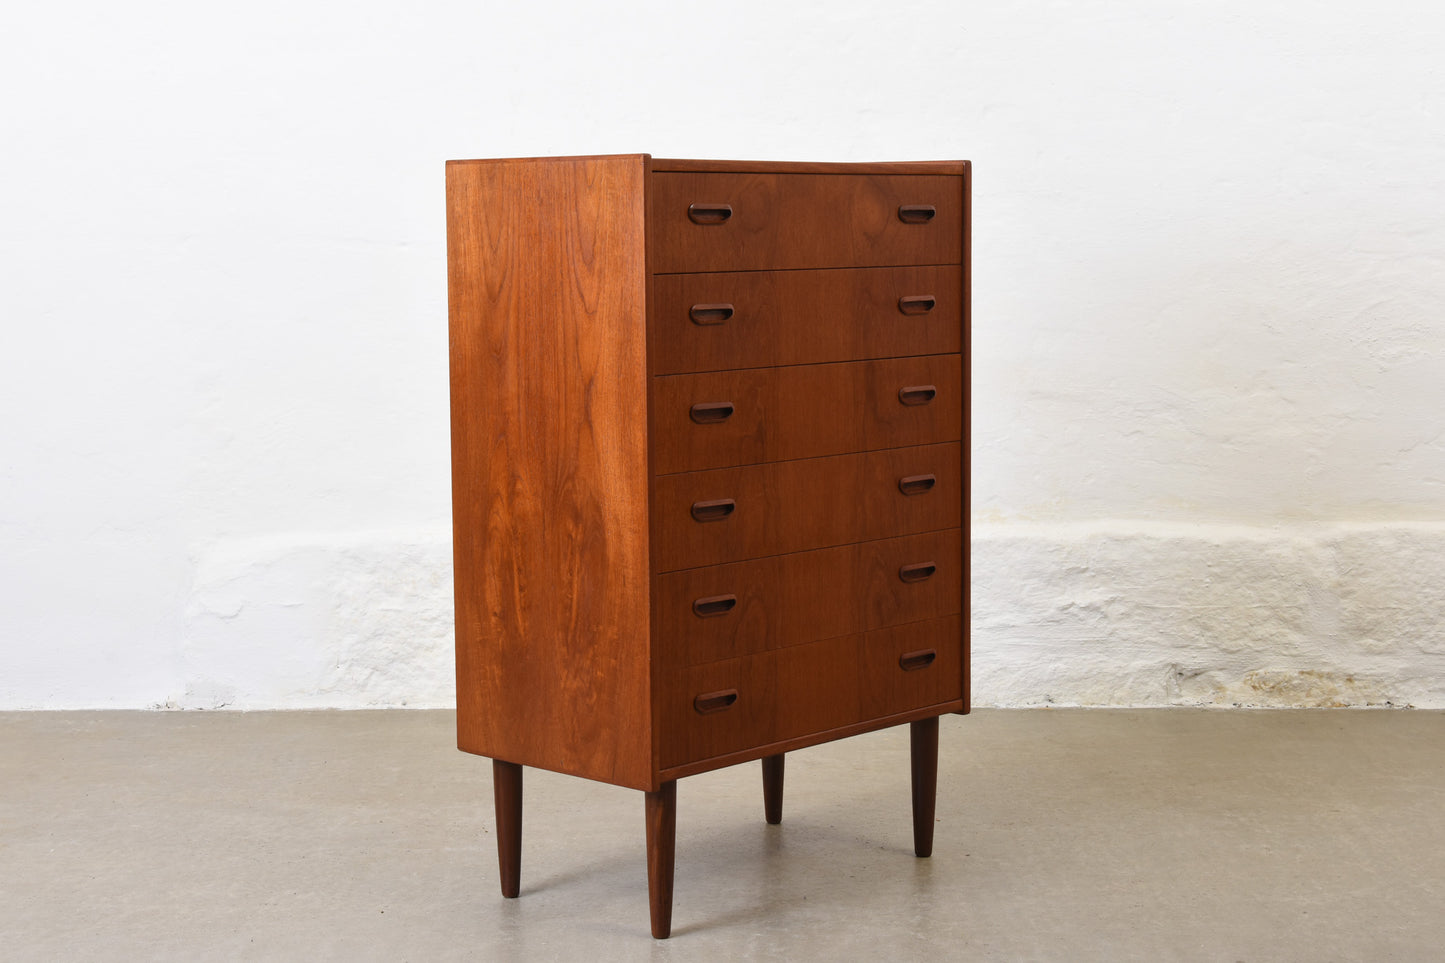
<point>709,469</point>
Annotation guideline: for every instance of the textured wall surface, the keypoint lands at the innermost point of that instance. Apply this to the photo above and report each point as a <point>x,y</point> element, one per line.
<point>1209,412</point>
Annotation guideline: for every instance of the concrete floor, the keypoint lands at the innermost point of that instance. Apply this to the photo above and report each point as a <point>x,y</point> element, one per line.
<point>1062,835</point>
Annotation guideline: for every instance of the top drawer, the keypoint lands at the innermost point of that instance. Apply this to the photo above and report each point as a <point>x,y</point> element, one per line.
<point>753,222</point>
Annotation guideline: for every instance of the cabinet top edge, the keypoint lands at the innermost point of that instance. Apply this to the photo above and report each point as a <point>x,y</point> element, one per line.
<point>674,165</point>
<point>644,158</point>
<point>677,165</point>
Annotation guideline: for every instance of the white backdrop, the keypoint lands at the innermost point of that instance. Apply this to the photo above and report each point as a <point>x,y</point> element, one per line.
<point>1209,258</point>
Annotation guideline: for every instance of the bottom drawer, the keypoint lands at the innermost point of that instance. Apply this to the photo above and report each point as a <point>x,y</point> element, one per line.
<point>722,707</point>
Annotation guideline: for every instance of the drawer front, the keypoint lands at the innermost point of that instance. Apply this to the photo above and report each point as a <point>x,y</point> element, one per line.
<point>771,222</point>
<point>730,514</point>
<point>725,418</point>
<point>755,319</point>
<point>725,611</point>
<point>710,710</point>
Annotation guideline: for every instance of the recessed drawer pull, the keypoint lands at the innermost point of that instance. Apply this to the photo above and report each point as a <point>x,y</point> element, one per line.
<point>916,213</point>
<point>714,605</point>
<point>717,509</point>
<point>917,303</point>
<point>917,394</point>
<point>717,213</point>
<point>711,702</point>
<point>917,572</point>
<point>911,485</point>
<point>712,313</point>
<point>909,661</point>
<point>712,412</point>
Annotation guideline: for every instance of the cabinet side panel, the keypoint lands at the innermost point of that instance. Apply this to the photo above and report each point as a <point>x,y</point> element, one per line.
<point>547,287</point>
<point>967,301</point>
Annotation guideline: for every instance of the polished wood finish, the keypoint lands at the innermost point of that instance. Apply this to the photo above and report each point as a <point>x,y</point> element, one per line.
<point>753,753</point>
<point>757,319</point>
<point>923,750</point>
<point>549,464</point>
<point>661,812</point>
<point>793,506</point>
<point>792,221</point>
<point>724,418</point>
<point>709,453</point>
<point>507,796</point>
<point>805,689</point>
<point>785,600</point>
<point>773,788</point>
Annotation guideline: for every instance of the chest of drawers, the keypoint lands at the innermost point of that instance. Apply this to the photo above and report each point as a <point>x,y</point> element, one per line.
<point>709,470</point>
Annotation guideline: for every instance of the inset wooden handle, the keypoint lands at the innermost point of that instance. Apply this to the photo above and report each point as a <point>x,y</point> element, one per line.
<point>710,313</point>
<point>917,394</point>
<point>917,572</point>
<point>717,213</point>
<point>916,213</point>
<point>917,303</point>
<point>911,485</point>
<point>714,605</point>
<point>922,659</point>
<point>715,510</point>
<point>712,412</point>
<point>711,702</point>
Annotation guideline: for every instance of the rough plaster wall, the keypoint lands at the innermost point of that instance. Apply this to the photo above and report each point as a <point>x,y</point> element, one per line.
<point>1171,614</point>
<point>1209,461</point>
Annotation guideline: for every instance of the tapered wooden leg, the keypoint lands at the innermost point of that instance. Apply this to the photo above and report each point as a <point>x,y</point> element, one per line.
<point>507,791</point>
<point>773,788</point>
<point>923,745</point>
<point>661,843</point>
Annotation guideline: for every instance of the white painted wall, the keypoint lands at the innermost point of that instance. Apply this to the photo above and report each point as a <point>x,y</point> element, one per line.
<point>1210,417</point>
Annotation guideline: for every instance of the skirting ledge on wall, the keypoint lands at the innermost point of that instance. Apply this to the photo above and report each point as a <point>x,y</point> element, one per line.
<point>1111,613</point>
<point>1122,613</point>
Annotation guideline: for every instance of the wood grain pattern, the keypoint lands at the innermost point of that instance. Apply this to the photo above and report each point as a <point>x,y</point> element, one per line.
<point>793,221</point>
<point>754,753</point>
<point>805,689</point>
<point>547,285</point>
<point>794,506</point>
<point>803,411</point>
<point>792,599</point>
<point>683,538</point>
<point>803,317</point>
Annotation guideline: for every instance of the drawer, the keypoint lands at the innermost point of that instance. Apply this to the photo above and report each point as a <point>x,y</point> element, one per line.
<point>751,702</point>
<point>724,611</point>
<point>723,418</point>
<point>730,514</point>
<point>754,319</point>
<point>770,222</point>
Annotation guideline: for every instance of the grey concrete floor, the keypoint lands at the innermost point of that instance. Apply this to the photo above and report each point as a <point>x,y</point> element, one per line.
<point>1062,835</point>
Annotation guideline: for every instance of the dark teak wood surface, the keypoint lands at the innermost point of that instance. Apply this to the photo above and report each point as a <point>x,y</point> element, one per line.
<point>804,411</point>
<point>709,470</point>
<point>789,221</point>
<point>785,600</point>
<point>773,767</point>
<point>793,506</point>
<point>507,792</point>
<point>803,317</point>
<point>547,284</point>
